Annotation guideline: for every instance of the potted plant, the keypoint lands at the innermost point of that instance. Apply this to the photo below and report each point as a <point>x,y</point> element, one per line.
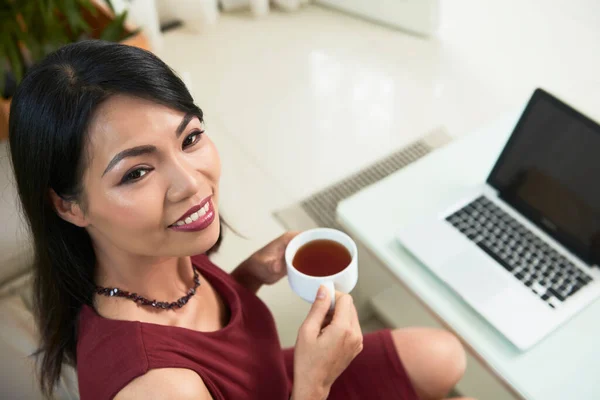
<point>34,28</point>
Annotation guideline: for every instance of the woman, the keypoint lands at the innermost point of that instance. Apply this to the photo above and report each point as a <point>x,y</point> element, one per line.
<point>120,186</point>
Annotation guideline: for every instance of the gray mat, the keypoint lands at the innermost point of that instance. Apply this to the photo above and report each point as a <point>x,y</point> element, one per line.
<point>319,210</point>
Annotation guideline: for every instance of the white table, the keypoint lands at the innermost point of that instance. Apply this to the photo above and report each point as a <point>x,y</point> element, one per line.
<point>564,366</point>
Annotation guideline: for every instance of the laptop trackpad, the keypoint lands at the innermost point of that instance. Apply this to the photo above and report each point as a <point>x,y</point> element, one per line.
<point>474,275</point>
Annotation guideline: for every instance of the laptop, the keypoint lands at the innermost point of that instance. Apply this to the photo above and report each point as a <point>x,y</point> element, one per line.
<point>523,248</point>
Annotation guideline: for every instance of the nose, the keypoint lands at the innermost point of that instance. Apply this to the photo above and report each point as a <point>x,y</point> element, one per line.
<point>183,181</point>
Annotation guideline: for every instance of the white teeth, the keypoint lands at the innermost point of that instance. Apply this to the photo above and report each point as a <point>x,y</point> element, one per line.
<point>195,216</point>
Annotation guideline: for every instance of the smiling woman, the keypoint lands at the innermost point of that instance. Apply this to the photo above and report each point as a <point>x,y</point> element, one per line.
<point>121,158</point>
<point>119,182</point>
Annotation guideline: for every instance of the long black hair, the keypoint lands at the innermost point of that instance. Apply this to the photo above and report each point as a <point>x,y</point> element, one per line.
<point>48,126</point>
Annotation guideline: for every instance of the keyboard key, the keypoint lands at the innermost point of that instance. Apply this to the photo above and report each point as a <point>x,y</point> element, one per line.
<point>584,279</point>
<point>563,287</point>
<point>546,296</point>
<point>545,274</point>
<point>520,276</point>
<point>574,290</point>
<point>535,277</point>
<point>538,288</point>
<point>517,270</point>
<point>557,286</point>
<point>556,294</point>
<point>548,264</point>
<point>554,302</point>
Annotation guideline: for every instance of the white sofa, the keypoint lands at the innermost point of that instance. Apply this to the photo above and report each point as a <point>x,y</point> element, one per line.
<point>18,336</point>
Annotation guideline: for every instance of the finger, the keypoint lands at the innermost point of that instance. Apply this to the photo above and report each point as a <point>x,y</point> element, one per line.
<point>353,320</point>
<point>355,327</point>
<point>353,315</point>
<point>317,313</point>
<point>279,267</point>
<point>356,322</point>
<point>288,236</point>
<point>327,320</point>
<point>280,264</point>
<point>344,305</point>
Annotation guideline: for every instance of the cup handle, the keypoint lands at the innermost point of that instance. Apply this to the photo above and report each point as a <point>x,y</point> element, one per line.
<point>331,289</point>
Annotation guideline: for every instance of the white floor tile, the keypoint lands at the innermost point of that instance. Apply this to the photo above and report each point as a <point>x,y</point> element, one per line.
<point>315,95</point>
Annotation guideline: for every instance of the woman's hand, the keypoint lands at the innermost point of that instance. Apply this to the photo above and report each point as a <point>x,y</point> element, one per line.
<point>266,266</point>
<point>323,352</point>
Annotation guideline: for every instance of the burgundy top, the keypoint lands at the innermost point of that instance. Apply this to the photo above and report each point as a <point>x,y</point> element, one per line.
<point>243,360</point>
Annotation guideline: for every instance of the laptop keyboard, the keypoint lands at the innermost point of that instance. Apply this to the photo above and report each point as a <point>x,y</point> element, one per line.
<point>551,276</point>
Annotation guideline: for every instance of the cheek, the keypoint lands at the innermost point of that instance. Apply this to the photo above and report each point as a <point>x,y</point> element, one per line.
<point>131,211</point>
<point>214,174</point>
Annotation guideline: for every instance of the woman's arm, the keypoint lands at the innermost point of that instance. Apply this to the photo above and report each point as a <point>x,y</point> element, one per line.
<point>245,276</point>
<point>266,266</point>
<point>303,394</point>
<point>166,384</point>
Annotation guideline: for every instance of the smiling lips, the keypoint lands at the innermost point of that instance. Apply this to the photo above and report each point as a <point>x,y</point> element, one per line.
<point>196,218</point>
<point>193,217</point>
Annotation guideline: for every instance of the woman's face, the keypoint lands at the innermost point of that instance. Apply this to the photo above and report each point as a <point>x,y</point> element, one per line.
<point>152,182</point>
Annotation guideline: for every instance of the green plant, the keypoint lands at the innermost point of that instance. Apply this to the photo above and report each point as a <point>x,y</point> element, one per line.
<point>31,29</point>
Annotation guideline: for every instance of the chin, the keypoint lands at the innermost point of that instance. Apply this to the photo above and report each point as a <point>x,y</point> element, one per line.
<point>208,238</point>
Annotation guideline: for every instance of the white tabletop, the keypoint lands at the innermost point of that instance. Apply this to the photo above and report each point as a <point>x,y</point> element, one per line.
<point>565,365</point>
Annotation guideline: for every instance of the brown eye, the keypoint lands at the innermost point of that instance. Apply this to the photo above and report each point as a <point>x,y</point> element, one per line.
<point>192,139</point>
<point>135,175</point>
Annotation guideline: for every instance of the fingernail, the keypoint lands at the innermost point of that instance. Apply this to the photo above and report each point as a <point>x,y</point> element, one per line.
<point>321,293</point>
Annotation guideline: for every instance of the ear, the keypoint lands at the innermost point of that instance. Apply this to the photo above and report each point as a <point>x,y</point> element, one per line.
<point>68,210</point>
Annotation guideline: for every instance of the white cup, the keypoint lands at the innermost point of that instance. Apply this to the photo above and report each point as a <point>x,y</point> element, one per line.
<point>306,286</point>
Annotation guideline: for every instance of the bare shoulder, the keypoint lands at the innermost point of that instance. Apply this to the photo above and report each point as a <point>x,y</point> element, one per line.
<point>166,383</point>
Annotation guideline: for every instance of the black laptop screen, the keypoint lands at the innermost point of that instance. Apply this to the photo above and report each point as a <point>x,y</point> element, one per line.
<point>550,171</point>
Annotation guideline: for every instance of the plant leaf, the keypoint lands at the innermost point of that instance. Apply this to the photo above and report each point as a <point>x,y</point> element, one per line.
<point>87,4</point>
<point>73,13</point>
<point>115,30</point>
<point>12,52</point>
<point>3,72</point>
<point>110,5</point>
<point>127,36</point>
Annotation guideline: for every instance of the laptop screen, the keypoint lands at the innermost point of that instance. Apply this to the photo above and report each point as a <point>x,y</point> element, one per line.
<point>550,172</point>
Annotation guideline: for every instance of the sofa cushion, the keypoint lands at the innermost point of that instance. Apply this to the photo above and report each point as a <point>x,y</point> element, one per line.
<point>18,341</point>
<point>20,286</point>
<point>15,246</point>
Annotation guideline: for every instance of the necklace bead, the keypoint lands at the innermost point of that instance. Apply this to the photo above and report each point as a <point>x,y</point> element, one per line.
<point>179,303</point>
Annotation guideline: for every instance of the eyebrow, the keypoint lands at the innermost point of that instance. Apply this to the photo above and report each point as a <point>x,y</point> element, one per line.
<point>147,149</point>
<point>132,152</point>
<point>184,122</point>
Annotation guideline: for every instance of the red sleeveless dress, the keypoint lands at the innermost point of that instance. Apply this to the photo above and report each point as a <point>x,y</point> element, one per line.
<point>243,360</point>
